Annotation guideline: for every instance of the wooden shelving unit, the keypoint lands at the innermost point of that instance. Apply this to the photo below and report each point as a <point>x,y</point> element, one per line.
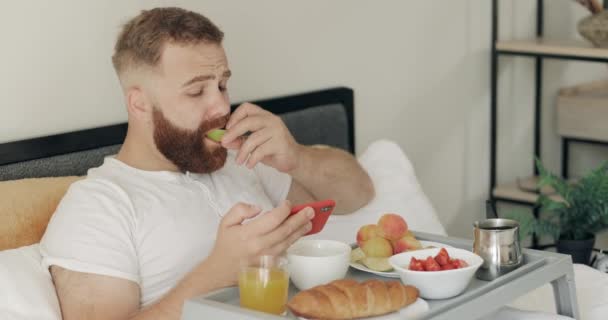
<point>521,191</point>
<point>552,48</point>
<point>538,48</point>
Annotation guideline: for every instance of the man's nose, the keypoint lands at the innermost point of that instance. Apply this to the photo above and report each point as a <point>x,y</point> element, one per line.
<point>219,107</point>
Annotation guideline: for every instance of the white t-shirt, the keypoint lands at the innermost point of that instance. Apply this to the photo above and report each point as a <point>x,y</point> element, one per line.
<point>151,227</point>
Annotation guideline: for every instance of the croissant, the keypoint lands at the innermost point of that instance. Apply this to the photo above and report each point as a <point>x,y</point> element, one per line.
<point>349,299</point>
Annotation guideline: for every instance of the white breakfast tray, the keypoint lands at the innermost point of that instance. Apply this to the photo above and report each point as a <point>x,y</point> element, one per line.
<point>480,298</point>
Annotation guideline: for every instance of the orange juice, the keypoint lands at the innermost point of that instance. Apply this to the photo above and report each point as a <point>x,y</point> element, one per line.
<point>264,289</point>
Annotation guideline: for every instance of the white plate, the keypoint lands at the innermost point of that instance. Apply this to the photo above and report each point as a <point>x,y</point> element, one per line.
<point>414,310</point>
<point>393,274</point>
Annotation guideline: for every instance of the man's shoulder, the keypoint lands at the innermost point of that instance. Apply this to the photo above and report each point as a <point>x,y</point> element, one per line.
<point>106,177</point>
<point>105,185</point>
<point>93,191</point>
<point>93,200</point>
<point>112,175</point>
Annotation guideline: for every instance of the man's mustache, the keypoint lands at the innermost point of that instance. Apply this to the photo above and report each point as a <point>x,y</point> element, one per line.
<point>219,122</point>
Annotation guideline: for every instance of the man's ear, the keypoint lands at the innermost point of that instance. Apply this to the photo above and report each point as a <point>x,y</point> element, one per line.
<point>138,104</point>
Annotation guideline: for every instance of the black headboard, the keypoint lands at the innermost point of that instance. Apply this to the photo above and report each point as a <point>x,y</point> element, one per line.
<point>318,117</point>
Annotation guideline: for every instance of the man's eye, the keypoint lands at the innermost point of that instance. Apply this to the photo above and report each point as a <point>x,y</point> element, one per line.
<point>196,94</point>
<point>223,88</point>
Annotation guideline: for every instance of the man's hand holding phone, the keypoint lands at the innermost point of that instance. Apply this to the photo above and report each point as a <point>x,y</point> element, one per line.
<point>269,234</point>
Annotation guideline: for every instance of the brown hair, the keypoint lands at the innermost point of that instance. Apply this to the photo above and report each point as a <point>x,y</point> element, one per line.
<point>142,38</point>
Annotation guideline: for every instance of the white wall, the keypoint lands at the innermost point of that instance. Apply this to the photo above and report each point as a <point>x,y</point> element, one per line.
<point>56,70</point>
<point>420,71</point>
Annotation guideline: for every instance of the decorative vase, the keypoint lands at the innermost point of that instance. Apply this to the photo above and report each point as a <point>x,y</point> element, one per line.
<point>580,250</point>
<point>595,29</point>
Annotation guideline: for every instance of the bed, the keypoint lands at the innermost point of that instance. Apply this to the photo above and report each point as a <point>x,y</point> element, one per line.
<point>35,173</point>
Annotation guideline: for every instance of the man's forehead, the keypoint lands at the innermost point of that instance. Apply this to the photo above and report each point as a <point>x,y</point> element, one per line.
<point>185,60</point>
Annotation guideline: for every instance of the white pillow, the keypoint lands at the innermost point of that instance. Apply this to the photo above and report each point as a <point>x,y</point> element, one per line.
<point>26,289</point>
<point>397,191</point>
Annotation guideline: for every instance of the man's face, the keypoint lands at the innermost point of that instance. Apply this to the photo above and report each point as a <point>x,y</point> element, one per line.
<point>189,100</point>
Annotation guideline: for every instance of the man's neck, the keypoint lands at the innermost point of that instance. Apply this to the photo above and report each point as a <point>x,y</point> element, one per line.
<point>138,154</point>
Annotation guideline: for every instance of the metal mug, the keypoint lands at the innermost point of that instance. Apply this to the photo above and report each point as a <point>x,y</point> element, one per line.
<point>497,243</point>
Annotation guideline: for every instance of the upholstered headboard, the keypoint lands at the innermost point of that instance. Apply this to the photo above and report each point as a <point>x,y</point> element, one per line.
<point>319,117</point>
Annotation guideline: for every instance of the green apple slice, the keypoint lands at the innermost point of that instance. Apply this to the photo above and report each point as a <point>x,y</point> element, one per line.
<point>216,135</point>
<point>377,264</point>
<point>357,255</point>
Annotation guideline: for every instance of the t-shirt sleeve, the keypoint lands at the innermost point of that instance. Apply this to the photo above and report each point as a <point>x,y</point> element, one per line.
<point>276,184</point>
<point>91,231</point>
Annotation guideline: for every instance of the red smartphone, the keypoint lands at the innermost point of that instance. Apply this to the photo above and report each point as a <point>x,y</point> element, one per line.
<point>323,210</point>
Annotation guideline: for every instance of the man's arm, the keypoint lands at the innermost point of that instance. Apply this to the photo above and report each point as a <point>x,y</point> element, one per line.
<point>329,173</point>
<point>91,296</point>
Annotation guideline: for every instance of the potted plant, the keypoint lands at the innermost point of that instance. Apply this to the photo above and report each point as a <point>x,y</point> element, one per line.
<point>573,218</point>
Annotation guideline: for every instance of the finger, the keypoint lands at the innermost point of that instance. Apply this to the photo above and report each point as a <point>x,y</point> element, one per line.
<point>282,246</point>
<point>271,220</point>
<point>250,124</point>
<point>260,153</point>
<point>254,141</point>
<point>288,228</point>
<point>239,213</point>
<point>235,144</point>
<point>243,111</point>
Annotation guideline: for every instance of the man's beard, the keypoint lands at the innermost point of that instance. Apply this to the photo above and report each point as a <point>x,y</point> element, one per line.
<point>186,148</point>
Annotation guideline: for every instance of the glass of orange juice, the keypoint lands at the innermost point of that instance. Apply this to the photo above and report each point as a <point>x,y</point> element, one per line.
<point>264,284</point>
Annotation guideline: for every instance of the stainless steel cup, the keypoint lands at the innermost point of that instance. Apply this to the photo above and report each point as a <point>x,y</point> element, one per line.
<point>497,243</point>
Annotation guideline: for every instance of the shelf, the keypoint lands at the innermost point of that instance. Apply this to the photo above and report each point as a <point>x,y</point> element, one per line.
<point>582,111</point>
<point>561,49</point>
<point>521,191</point>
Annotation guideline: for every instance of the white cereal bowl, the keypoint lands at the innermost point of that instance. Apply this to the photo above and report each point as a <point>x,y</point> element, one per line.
<point>316,262</point>
<point>437,284</point>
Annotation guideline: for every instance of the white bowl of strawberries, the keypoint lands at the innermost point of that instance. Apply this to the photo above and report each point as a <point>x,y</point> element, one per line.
<point>439,273</point>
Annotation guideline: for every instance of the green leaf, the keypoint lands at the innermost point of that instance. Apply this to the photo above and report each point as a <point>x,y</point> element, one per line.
<point>585,209</point>
<point>548,204</point>
<point>547,178</point>
<point>526,221</point>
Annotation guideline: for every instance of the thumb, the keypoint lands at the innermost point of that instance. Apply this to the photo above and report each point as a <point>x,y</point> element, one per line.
<point>239,213</point>
<point>277,216</point>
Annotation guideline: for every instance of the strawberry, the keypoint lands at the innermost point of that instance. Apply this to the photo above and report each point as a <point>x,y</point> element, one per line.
<point>416,265</point>
<point>448,266</point>
<point>430,264</point>
<point>442,257</point>
<point>460,263</point>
